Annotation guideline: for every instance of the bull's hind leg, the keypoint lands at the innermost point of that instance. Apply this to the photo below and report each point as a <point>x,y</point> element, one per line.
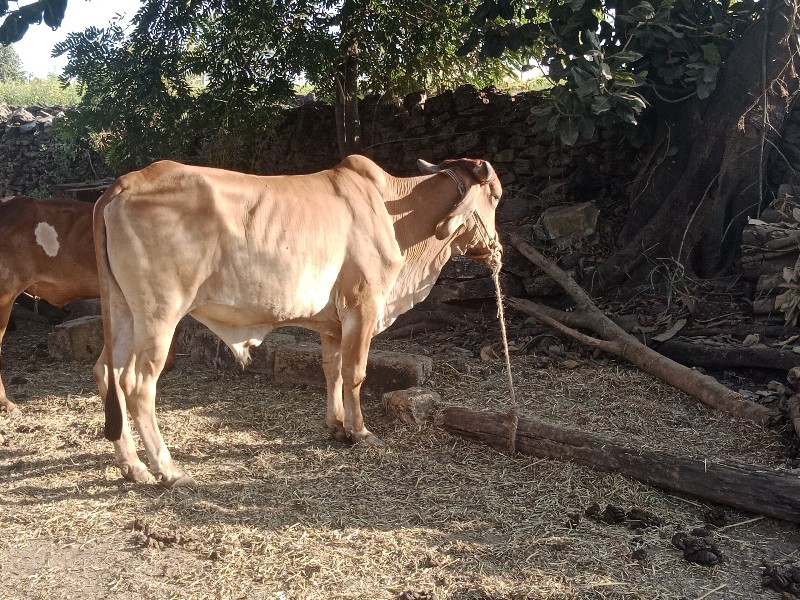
<point>357,328</point>
<point>6,303</point>
<point>138,381</point>
<point>126,458</point>
<point>332,366</point>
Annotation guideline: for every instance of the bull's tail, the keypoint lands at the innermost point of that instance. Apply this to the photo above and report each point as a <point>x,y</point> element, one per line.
<point>113,408</point>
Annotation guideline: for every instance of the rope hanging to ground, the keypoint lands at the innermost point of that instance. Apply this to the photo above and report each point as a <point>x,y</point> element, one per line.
<point>496,263</point>
<point>513,412</point>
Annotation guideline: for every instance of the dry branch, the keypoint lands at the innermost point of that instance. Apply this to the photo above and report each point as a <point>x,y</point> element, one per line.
<point>618,342</point>
<point>760,490</point>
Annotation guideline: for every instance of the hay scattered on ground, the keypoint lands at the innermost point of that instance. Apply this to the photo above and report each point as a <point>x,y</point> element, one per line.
<point>281,511</point>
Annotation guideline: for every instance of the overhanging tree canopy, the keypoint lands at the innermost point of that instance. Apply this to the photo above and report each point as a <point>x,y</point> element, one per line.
<point>704,86</point>
<point>145,87</point>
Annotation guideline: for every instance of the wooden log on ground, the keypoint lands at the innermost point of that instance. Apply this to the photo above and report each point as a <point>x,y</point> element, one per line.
<point>753,269</point>
<point>756,489</point>
<point>727,357</point>
<point>742,330</point>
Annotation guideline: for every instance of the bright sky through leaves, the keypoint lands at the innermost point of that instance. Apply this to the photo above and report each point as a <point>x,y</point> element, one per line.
<point>34,49</point>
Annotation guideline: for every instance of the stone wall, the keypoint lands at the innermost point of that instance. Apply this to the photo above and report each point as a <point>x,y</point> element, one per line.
<point>463,123</point>
<point>26,158</point>
<point>33,158</point>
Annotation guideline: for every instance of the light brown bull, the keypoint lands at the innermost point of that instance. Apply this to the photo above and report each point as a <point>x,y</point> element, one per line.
<point>343,252</point>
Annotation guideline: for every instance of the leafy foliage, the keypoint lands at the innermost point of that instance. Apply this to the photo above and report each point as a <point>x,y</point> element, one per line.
<point>10,64</point>
<point>47,91</point>
<point>17,21</point>
<point>606,56</point>
<point>191,66</point>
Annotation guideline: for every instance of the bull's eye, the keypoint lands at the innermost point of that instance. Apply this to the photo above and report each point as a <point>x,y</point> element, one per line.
<point>495,199</point>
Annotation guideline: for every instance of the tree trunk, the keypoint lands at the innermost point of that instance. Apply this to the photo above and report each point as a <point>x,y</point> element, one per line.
<point>348,123</point>
<point>691,207</point>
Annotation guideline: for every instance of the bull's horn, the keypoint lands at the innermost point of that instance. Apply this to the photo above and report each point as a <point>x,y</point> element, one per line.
<point>425,167</point>
<point>484,171</point>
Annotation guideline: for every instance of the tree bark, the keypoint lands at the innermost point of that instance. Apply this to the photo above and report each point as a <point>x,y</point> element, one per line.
<point>756,489</point>
<point>348,122</point>
<point>691,207</point>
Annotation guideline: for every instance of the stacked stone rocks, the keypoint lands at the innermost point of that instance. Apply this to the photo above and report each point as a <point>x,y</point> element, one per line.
<point>27,160</point>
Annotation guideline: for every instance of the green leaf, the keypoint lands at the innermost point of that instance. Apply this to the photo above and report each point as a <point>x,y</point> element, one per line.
<point>506,9</point>
<point>586,128</point>
<point>711,54</point>
<point>588,87</point>
<point>568,130</point>
<point>705,88</point>
<point>627,56</point>
<point>601,104</point>
<point>635,101</point>
<point>469,45</point>
<point>593,39</point>
<point>643,11</point>
<point>710,73</point>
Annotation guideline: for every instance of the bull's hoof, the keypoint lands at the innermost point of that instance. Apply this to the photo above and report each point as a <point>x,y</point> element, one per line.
<point>11,409</point>
<point>178,479</point>
<point>338,433</point>
<point>372,440</point>
<point>137,473</point>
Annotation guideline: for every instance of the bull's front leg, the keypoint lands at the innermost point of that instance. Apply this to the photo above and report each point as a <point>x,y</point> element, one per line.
<point>357,328</point>
<point>5,313</point>
<point>332,366</point>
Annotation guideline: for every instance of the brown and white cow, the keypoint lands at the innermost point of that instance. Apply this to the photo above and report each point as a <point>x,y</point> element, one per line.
<point>343,252</point>
<point>46,250</point>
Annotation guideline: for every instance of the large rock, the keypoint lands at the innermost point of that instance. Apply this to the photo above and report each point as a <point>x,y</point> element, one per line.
<point>302,363</point>
<point>80,340</point>
<point>569,223</point>
<point>413,406</point>
<point>84,308</point>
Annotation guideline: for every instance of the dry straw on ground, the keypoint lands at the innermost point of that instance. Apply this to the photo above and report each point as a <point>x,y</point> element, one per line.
<point>281,511</point>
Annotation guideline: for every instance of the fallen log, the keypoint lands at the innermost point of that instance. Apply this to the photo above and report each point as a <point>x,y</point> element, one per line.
<point>618,342</point>
<point>748,487</point>
<point>727,357</point>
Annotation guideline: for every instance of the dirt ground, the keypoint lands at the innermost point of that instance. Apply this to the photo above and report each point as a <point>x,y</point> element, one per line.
<point>281,511</point>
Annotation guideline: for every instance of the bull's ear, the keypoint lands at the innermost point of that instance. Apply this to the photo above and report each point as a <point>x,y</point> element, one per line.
<point>425,167</point>
<point>455,218</point>
<point>484,171</point>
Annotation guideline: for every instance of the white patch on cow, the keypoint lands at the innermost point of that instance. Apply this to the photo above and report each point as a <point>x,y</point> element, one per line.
<point>47,238</point>
<point>6,199</point>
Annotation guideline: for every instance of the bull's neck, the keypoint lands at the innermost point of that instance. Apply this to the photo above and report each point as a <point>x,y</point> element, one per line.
<point>416,205</point>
